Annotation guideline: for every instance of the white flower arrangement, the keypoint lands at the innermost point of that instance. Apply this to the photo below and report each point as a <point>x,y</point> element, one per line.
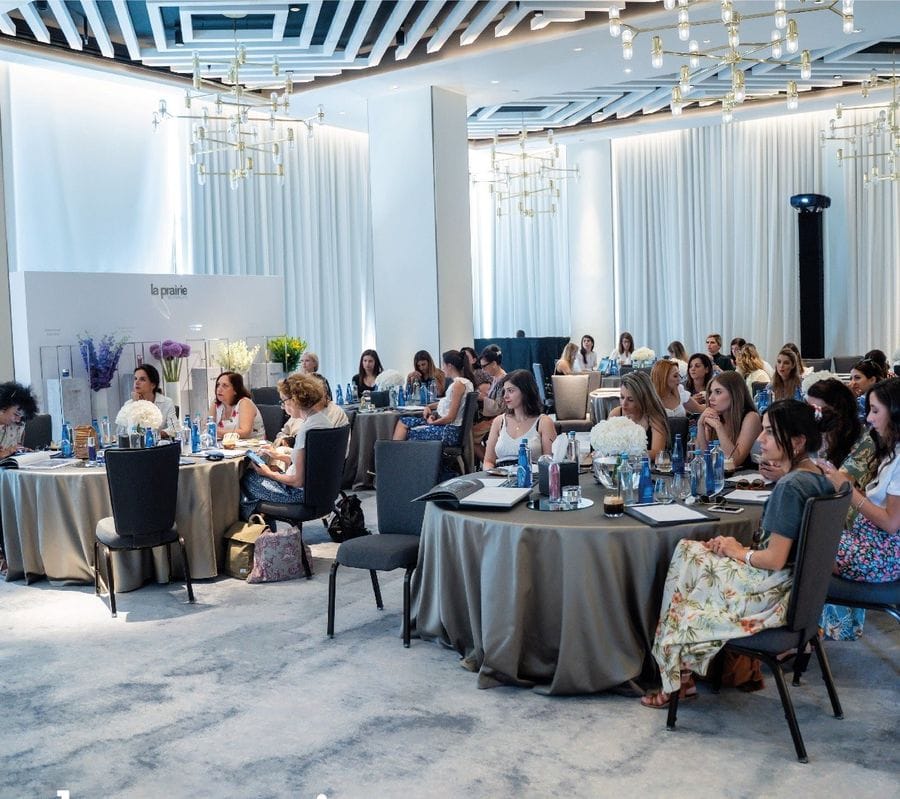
<point>236,357</point>
<point>815,377</point>
<point>618,434</point>
<point>388,379</point>
<point>139,413</point>
<point>643,354</point>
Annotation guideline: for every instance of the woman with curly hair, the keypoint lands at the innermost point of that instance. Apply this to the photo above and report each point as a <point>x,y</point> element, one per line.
<point>17,406</point>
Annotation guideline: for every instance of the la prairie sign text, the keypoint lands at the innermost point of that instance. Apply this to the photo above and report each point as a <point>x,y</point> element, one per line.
<point>168,291</point>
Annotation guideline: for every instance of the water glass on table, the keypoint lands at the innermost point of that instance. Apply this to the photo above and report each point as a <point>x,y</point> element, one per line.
<point>664,461</point>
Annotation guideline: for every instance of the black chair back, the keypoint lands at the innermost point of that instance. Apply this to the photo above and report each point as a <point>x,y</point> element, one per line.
<point>539,379</point>
<point>820,534</point>
<point>818,364</point>
<point>273,417</point>
<point>468,422</point>
<point>406,470</point>
<point>38,432</point>
<point>754,387</point>
<point>844,363</point>
<point>265,395</point>
<point>143,488</point>
<point>325,453</point>
<point>678,426</point>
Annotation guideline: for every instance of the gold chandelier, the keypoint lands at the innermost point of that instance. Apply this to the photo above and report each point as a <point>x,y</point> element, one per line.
<point>875,142</point>
<point>528,179</point>
<point>244,127</point>
<point>737,55</point>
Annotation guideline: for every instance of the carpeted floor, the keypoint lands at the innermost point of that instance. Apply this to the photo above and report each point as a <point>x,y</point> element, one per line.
<point>242,695</point>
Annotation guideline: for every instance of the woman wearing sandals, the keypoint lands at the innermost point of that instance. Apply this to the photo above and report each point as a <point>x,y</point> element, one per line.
<point>719,589</point>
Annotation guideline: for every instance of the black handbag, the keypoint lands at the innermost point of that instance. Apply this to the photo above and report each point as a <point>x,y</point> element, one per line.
<point>347,521</point>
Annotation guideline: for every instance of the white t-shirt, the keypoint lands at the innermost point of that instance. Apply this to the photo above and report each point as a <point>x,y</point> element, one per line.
<point>584,364</point>
<point>316,421</point>
<point>887,481</point>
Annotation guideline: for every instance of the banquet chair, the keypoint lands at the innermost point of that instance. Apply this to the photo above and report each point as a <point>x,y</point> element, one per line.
<point>265,395</point>
<point>869,596</point>
<point>465,452</point>
<point>273,417</point>
<point>818,364</point>
<point>678,426</point>
<point>546,402</point>
<point>844,363</point>
<point>38,432</point>
<point>595,381</point>
<point>143,492</point>
<point>817,544</point>
<point>406,469</point>
<point>323,469</point>
<point>570,393</point>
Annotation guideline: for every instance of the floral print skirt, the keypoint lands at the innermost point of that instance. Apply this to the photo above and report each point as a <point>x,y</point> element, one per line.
<point>420,430</point>
<point>839,623</point>
<point>256,488</point>
<point>709,599</point>
<point>868,554</point>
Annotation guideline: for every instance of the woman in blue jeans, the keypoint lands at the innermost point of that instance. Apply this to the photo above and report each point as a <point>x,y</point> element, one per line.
<point>442,422</point>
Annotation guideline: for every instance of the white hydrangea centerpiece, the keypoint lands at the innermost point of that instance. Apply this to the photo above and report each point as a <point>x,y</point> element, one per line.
<point>616,435</point>
<point>236,356</point>
<point>141,414</point>
<point>388,379</point>
<point>643,354</point>
<point>815,377</point>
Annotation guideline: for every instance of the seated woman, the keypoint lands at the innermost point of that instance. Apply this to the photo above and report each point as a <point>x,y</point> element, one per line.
<point>700,372</point>
<point>750,366</point>
<point>523,419</point>
<point>638,402</point>
<point>869,551</point>
<point>719,589</point>
<point>735,347</point>
<point>788,375</point>
<point>864,375</point>
<point>369,369</point>
<point>881,359</point>
<point>585,358</point>
<point>622,353</point>
<point>17,406</point>
<point>303,397</point>
<point>443,423</point>
<point>678,353</point>
<point>424,371</point>
<point>309,365</point>
<point>146,387</point>
<point>233,410</point>
<point>804,369</point>
<point>566,363</point>
<point>334,412</point>
<point>667,384</point>
<point>730,417</point>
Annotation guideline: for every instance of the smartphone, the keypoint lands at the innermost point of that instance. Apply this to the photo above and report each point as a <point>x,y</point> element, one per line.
<point>255,457</point>
<point>726,509</point>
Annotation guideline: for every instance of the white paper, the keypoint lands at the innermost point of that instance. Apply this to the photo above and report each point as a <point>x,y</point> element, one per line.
<point>751,496</point>
<point>492,482</point>
<point>496,497</point>
<point>670,513</point>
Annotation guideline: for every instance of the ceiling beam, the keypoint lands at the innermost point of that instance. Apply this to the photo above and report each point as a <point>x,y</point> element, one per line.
<point>484,18</point>
<point>337,25</point>
<point>418,29</point>
<point>363,23</point>
<point>394,21</point>
<point>445,31</point>
<point>38,28</point>
<point>66,24</point>
<point>512,18</point>
<point>309,22</point>
<point>125,23</point>
<point>7,25</point>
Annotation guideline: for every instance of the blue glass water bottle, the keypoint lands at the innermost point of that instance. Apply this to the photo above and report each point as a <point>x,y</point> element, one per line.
<point>211,430</point>
<point>349,393</point>
<point>708,462</point>
<point>423,396</point>
<point>645,486</point>
<point>149,438</point>
<point>401,397</point>
<point>195,437</point>
<point>523,471</point>
<point>339,396</point>
<point>65,444</point>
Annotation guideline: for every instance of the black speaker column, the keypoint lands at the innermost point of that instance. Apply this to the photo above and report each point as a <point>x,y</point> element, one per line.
<point>812,272</point>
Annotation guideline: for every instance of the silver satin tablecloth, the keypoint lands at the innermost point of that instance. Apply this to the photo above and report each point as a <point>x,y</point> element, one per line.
<point>564,601</point>
<point>49,519</point>
<point>359,468</point>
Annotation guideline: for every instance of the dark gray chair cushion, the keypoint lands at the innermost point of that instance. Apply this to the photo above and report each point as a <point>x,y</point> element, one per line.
<point>384,552</point>
<point>849,591</point>
<point>106,534</point>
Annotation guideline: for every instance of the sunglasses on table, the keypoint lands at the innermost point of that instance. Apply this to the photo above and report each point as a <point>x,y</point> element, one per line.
<point>756,483</point>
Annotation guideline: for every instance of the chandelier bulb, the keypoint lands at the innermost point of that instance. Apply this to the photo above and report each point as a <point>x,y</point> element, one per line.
<point>727,10</point>
<point>627,35</point>
<point>276,67</point>
<point>668,4</point>
<point>155,121</point>
<point>734,36</point>
<point>848,25</point>
<point>738,85</point>
<point>320,114</point>
<point>627,50</point>
<point>793,38</point>
<point>805,65</point>
<point>656,53</point>
<point>273,99</point>
<point>684,31</point>
<point>847,6</point>
<point>684,14</point>
<point>776,44</point>
<point>792,100</point>
<point>615,23</point>
<point>694,49</point>
<point>780,20</point>
<point>676,104</point>
<point>280,174</point>
<point>684,82</point>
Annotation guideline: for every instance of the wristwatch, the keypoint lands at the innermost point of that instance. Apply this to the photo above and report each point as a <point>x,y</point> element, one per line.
<point>748,556</point>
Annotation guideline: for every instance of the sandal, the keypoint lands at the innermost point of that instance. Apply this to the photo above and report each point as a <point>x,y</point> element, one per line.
<point>660,700</point>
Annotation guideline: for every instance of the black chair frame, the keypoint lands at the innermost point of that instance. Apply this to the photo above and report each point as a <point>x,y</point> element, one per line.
<point>465,452</point>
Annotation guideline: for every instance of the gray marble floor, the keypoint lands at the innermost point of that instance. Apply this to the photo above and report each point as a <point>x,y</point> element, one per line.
<point>242,695</point>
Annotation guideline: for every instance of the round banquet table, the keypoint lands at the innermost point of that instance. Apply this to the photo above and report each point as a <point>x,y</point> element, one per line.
<point>359,468</point>
<point>602,401</point>
<point>566,602</point>
<point>49,518</point>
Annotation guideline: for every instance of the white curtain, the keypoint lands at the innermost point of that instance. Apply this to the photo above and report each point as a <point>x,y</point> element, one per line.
<point>315,231</point>
<point>520,268</point>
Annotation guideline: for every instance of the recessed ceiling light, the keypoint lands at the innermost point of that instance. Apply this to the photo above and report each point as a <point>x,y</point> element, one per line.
<point>837,77</point>
<point>295,8</point>
<point>394,87</point>
<point>857,30</point>
<point>577,49</point>
<point>342,113</point>
<point>627,70</point>
<point>495,82</point>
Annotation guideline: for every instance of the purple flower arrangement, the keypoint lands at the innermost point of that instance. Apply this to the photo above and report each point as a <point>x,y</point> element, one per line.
<point>101,358</point>
<point>170,354</point>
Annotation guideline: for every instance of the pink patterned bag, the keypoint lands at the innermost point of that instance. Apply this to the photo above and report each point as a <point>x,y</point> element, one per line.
<point>276,556</point>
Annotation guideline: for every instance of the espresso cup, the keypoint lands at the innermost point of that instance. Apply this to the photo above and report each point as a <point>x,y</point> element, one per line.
<point>613,506</point>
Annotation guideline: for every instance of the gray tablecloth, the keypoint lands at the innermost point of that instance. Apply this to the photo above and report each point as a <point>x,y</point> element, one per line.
<point>49,519</point>
<point>612,381</point>
<point>602,401</point>
<point>359,468</point>
<point>567,602</point>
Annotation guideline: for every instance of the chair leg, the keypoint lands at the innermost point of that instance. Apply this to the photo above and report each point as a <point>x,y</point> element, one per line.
<point>376,588</point>
<point>187,568</point>
<point>406,607</point>
<point>673,710</point>
<point>332,587</point>
<point>111,582</point>
<point>789,713</point>
<point>827,676</point>
<point>718,668</point>
<point>169,562</point>
<point>96,568</point>
<point>801,661</point>
<point>307,570</point>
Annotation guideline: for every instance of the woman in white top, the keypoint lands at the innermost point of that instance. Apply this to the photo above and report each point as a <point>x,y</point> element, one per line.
<point>233,409</point>
<point>585,358</point>
<point>622,353</point>
<point>146,387</point>
<point>302,396</point>
<point>870,550</point>
<point>523,419</point>
<point>667,381</point>
<point>678,353</point>
<point>442,421</point>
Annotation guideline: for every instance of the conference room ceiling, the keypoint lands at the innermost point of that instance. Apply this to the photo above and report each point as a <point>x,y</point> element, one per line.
<point>533,64</point>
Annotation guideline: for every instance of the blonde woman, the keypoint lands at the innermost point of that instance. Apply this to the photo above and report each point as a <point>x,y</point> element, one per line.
<point>639,402</point>
<point>674,397</point>
<point>730,417</point>
<point>788,375</point>
<point>750,366</point>
<point>566,363</point>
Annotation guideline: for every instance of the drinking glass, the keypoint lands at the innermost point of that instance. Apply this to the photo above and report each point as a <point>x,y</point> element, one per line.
<point>681,487</point>
<point>661,491</point>
<point>604,468</point>
<point>664,461</point>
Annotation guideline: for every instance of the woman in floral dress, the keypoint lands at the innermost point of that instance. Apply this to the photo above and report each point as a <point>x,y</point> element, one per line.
<point>718,590</point>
